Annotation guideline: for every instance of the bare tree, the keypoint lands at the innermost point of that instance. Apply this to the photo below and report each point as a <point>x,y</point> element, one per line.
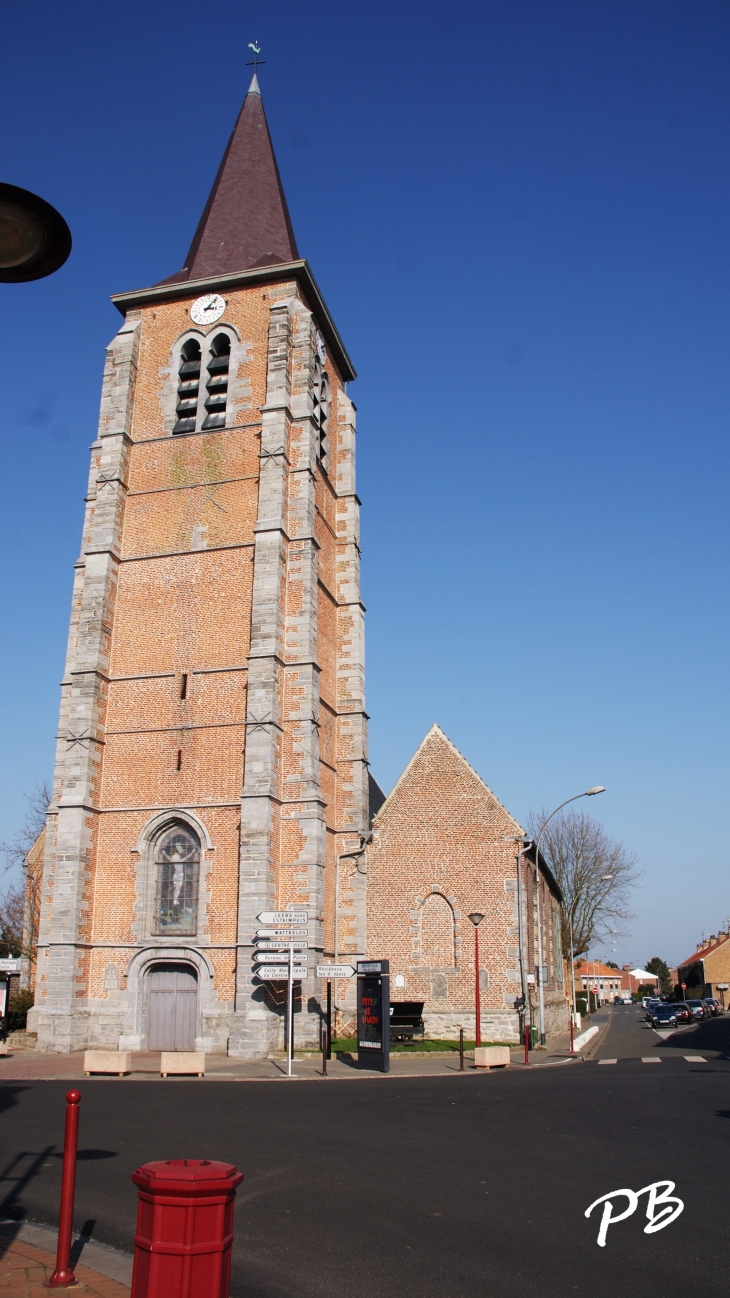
<point>595,874</point>
<point>20,902</point>
<point>16,850</point>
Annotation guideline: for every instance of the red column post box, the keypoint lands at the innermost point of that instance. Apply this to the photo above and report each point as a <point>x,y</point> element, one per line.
<point>182,1248</point>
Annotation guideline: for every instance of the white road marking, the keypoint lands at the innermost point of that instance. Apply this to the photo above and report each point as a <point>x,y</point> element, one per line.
<point>608,1061</point>
<point>653,1060</point>
<point>695,1059</point>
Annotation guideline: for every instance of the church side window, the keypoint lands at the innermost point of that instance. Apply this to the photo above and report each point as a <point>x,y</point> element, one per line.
<point>321,411</point>
<point>188,387</point>
<point>177,865</point>
<point>217,382</point>
<point>437,933</point>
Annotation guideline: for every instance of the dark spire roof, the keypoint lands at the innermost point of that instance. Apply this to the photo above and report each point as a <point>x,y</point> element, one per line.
<point>246,220</point>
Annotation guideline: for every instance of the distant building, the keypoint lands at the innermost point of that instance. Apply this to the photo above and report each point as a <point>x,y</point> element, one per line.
<point>32,911</point>
<point>633,979</point>
<point>708,968</point>
<point>604,981</point>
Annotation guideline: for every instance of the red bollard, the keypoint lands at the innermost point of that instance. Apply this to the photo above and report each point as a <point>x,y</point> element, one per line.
<point>63,1275</point>
<point>182,1248</point>
<point>461,1050</point>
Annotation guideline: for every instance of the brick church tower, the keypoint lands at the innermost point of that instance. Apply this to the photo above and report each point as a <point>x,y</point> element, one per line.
<point>211,760</point>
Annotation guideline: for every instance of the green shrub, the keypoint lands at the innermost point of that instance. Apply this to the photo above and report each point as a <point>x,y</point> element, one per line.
<point>18,1007</point>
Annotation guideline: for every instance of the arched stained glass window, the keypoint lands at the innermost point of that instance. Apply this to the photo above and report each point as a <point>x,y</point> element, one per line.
<point>177,861</point>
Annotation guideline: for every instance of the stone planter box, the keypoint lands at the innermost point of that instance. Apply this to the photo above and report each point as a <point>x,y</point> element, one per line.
<point>491,1057</point>
<point>107,1061</point>
<point>182,1063</point>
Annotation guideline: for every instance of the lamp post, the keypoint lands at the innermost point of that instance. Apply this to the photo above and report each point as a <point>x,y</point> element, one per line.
<point>574,1008</point>
<point>34,238</point>
<point>476,918</point>
<point>588,793</point>
<point>525,843</point>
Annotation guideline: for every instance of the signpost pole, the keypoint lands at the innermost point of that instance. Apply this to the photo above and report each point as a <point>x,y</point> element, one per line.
<point>289,1049</point>
<point>329,1018</point>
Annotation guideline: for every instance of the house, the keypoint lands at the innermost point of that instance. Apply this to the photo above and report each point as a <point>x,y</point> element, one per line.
<point>600,978</point>
<point>705,972</point>
<point>633,979</point>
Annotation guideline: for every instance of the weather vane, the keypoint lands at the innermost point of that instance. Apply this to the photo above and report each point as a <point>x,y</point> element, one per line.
<point>254,62</point>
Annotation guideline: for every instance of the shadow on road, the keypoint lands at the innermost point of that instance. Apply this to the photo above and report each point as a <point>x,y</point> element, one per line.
<point>712,1034</point>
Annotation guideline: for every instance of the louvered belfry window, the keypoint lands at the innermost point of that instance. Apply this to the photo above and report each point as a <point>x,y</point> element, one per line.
<point>217,383</point>
<point>321,411</point>
<point>188,387</point>
<point>176,895</point>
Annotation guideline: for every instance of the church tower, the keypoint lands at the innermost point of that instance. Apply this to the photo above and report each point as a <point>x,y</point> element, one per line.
<point>211,758</point>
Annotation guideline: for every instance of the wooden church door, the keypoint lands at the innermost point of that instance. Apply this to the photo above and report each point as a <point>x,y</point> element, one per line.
<point>173,990</point>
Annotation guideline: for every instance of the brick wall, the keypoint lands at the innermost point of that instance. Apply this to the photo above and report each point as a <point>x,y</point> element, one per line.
<point>438,853</point>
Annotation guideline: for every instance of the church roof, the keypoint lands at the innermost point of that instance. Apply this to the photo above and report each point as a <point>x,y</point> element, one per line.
<point>246,221</point>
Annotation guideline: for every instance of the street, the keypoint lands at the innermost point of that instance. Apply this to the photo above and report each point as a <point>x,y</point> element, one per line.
<point>455,1185</point>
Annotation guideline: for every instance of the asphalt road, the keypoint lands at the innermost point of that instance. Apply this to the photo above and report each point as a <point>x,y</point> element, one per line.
<point>444,1186</point>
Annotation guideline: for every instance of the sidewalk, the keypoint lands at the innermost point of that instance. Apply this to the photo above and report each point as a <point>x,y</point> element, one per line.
<point>28,1065</point>
<point>27,1258</point>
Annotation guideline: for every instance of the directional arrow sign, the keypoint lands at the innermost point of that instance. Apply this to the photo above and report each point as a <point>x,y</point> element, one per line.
<point>10,966</point>
<point>335,971</point>
<point>283,917</point>
<point>280,973</point>
<point>282,932</point>
<point>272,957</point>
<point>277,946</point>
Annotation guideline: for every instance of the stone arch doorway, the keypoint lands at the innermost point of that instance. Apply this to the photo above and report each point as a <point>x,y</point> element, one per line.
<point>172,989</point>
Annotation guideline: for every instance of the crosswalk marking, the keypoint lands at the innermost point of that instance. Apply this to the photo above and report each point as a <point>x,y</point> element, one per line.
<point>652,1060</point>
<point>608,1061</point>
<point>695,1059</point>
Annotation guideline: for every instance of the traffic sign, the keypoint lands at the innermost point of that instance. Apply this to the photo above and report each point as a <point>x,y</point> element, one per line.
<point>277,946</point>
<point>283,917</point>
<point>282,932</point>
<point>272,957</point>
<point>10,966</point>
<point>280,973</point>
<point>335,971</point>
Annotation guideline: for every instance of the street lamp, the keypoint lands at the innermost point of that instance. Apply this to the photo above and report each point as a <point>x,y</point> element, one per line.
<point>476,918</point>
<point>34,238</point>
<point>525,843</point>
<point>588,793</point>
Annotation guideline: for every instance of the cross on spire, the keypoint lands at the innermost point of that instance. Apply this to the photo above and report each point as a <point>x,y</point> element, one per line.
<point>254,62</point>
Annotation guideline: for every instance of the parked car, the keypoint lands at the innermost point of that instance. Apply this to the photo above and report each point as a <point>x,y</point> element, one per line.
<point>650,1004</point>
<point>699,1010</point>
<point>713,1003</point>
<point>683,1012</point>
<point>663,1016</point>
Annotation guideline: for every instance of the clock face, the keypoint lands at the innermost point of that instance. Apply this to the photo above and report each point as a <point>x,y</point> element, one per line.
<point>208,309</point>
<point>321,348</point>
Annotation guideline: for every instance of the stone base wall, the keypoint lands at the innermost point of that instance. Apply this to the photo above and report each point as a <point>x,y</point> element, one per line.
<point>496,1025</point>
<point>104,1027</point>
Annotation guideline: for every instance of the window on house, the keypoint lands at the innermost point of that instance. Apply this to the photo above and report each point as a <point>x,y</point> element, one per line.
<point>321,411</point>
<point>188,387</point>
<point>217,382</point>
<point>177,863</point>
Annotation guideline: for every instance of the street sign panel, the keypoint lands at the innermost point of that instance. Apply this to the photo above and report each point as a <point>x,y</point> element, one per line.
<point>10,966</point>
<point>263,945</point>
<point>282,932</point>
<point>274,973</point>
<point>335,971</point>
<point>283,917</point>
<point>272,957</point>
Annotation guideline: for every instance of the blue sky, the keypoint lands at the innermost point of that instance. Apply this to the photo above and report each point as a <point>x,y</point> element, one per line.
<point>518,215</point>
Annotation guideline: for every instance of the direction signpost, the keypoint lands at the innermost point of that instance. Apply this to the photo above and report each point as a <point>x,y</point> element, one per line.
<point>331,972</point>
<point>284,939</point>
